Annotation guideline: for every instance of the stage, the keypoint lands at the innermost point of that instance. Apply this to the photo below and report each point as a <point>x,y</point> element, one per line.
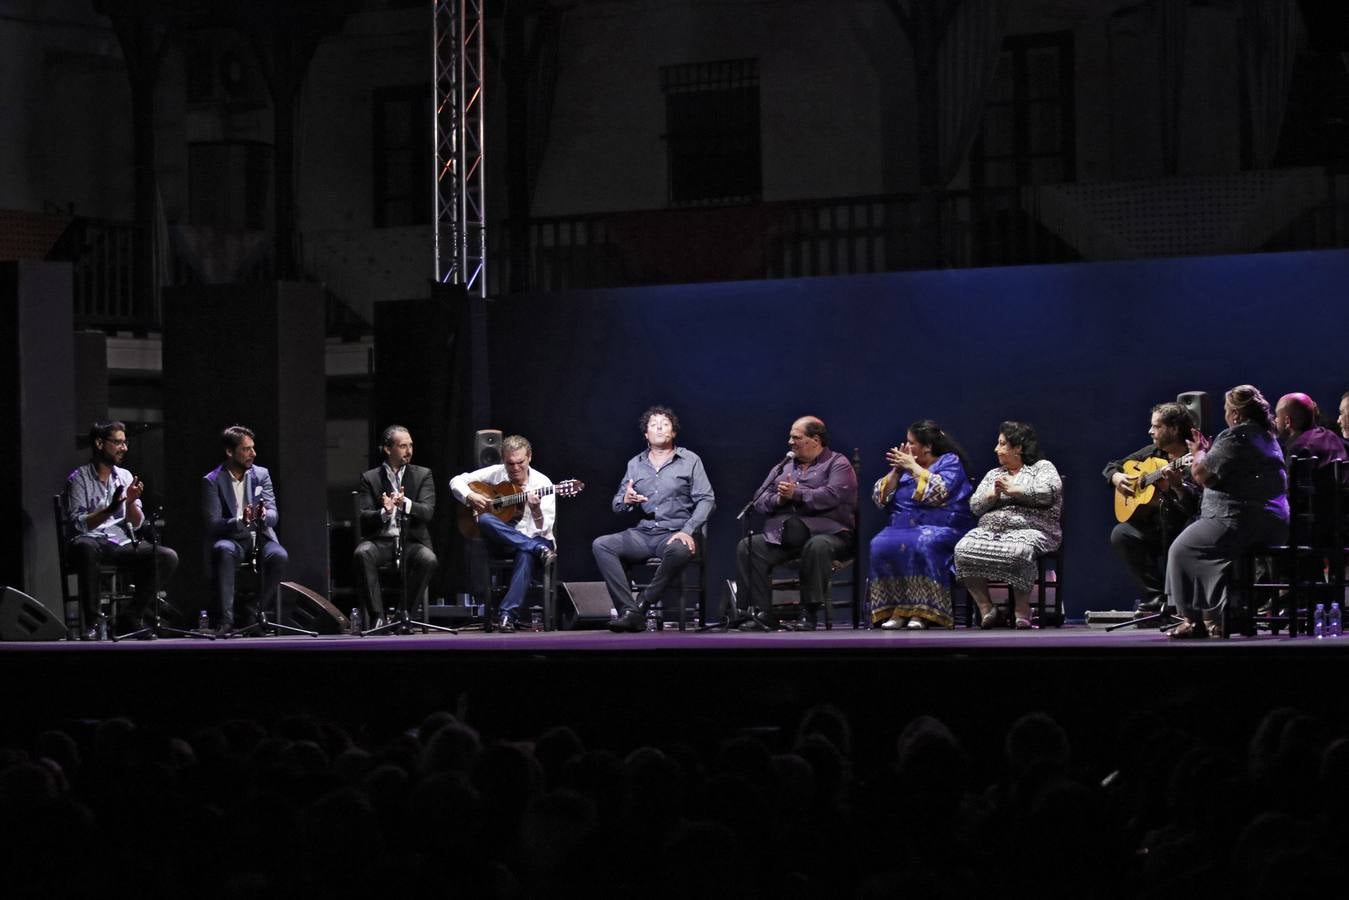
<point>626,689</point>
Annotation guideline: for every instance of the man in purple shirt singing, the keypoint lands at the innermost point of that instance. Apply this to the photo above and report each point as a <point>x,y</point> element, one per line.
<point>809,500</point>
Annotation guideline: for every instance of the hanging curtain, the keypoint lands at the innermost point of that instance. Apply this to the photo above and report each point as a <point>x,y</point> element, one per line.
<point>966,62</point>
<point>1271,31</point>
<point>1171,17</point>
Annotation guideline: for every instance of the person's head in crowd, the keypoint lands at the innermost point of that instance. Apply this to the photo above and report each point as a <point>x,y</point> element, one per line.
<point>554,748</point>
<point>829,721</point>
<point>454,748</point>
<point>1036,741</point>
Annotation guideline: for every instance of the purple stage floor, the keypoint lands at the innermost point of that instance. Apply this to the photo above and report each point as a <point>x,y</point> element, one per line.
<point>957,641</point>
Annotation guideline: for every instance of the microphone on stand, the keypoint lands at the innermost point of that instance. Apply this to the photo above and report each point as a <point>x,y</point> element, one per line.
<point>790,455</point>
<point>259,517</point>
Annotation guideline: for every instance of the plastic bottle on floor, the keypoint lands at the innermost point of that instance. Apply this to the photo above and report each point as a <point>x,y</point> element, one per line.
<point>203,622</point>
<point>355,621</point>
<point>1319,621</point>
<point>1333,623</point>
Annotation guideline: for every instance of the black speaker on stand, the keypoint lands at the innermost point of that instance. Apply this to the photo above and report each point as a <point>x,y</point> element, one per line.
<point>1197,403</point>
<point>486,447</point>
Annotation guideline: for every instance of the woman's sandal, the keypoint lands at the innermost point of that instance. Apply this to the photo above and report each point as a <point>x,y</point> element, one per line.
<point>991,619</point>
<point>1189,631</point>
<point>1022,623</point>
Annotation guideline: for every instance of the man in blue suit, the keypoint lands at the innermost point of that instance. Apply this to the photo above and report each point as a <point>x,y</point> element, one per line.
<point>238,509</point>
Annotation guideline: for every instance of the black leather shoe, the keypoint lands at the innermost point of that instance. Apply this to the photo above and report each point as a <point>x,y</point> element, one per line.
<point>506,624</point>
<point>762,622</point>
<point>631,621</point>
<point>810,619</point>
<point>1150,605</point>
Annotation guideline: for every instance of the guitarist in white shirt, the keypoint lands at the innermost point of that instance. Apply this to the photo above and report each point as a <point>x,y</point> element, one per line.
<point>1143,540</point>
<point>529,541</point>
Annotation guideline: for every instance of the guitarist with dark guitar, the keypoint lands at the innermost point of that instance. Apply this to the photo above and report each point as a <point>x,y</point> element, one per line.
<point>1155,498</point>
<point>512,506</point>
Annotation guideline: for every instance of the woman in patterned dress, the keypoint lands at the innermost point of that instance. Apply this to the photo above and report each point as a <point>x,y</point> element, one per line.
<point>1018,505</point>
<point>926,494</point>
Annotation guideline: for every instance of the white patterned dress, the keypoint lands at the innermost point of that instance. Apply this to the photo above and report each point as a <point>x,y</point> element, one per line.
<point>1012,532</point>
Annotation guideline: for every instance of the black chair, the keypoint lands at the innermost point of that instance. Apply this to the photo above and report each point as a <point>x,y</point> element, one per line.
<point>1288,577</point>
<point>1046,611</point>
<point>697,567</point>
<point>543,583</point>
<point>112,590</point>
<point>1339,537</point>
<point>248,588</point>
<point>844,575</point>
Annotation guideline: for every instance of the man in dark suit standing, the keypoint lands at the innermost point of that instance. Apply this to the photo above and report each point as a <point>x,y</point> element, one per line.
<point>238,510</point>
<point>397,501</point>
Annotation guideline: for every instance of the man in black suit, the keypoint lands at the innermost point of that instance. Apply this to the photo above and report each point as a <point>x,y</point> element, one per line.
<point>397,501</point>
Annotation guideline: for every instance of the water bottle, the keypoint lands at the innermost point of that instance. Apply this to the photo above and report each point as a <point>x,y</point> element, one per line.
<point>1319,620</point>
<point>1333,622</point>
<point>355,621</point>
<point>203,622</point>
<point>652,620</point>
<point>102,627</point>
<point>535,619</point>
<point>695,620</point>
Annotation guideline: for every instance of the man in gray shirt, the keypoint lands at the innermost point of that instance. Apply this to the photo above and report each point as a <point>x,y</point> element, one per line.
<point>104,515</point>
<point>668,487</point>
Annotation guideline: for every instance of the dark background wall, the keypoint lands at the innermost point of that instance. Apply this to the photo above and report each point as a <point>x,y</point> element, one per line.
<point>251,355</point>
<point>36,401</point>
<point>1080,351</point>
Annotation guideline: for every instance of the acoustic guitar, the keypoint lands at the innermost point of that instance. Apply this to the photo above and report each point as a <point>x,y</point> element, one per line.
<point>508,501</point>
<point>1145,474</point>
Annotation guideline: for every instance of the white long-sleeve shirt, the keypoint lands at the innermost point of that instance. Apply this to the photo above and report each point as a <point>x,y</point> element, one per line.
<point>459,486</point>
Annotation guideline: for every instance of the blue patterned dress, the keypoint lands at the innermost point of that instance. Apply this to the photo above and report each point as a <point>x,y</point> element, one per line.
<point>911,558</point>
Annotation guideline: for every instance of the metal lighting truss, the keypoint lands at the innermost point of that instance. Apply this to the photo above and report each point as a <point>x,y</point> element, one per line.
<point>460,177</point>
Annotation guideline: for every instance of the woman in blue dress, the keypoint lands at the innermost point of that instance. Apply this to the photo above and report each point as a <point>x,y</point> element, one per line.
<point>926,494</point>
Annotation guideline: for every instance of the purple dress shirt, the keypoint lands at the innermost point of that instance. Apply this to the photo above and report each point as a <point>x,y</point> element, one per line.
<point>826,496</point>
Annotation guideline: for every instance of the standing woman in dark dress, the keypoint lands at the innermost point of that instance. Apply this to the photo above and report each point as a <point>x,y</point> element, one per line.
<point>1245,504</point>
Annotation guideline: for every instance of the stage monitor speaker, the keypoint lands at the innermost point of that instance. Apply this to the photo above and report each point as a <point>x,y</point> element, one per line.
<point>588,604</point>
<point>23,618</point>
<point>487,447</point>
<point>1197,403</point>
<point>303,608</point>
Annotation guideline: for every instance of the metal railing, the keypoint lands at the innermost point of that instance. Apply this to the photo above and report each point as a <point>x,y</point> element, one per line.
<point>832,236</point>
<point>100,253</point>
<point>792,239</point>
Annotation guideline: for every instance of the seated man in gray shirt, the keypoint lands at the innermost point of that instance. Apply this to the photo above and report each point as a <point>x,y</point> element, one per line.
<point>103,509</point>
<point>669,488</point>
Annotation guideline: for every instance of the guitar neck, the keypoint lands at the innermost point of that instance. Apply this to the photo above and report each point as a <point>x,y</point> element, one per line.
<point>517,499</point>
<point>1178,463</point>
